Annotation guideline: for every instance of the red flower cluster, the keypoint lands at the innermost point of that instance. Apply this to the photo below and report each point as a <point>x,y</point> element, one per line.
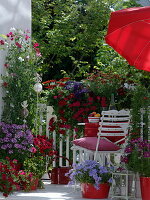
<point>37,50</point>
<point>71,106</point>
<point>51,84</point>
<point>44,145</point>
<point>8,177</point>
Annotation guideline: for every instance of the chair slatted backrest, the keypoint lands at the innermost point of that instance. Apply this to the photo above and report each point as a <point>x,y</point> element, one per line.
<point>114,123</point>
<point>114,127</point>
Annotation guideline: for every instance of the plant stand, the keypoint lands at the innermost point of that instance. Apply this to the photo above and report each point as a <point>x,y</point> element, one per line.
<point>123,185</point>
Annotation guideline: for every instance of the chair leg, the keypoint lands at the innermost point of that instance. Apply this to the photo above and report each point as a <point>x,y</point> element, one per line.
<point>81,156</point>
<point>74,156</point>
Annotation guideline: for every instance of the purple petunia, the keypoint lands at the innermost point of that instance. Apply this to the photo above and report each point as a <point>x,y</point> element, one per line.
<point>10,152</point>
<point>16,139</point>
<point>77,88</point>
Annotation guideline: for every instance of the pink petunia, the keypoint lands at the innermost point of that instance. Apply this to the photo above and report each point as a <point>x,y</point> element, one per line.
<point>18,45</point>
<point>36,45</point>
<point>2,42</point>
<point>33,150</point>
<point>27,37</point>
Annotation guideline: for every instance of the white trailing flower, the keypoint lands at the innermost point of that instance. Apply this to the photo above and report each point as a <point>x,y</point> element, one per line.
<point>28,57</point>
<point>6,73</point>
<point>20,59</point>
<point>20,32</point>
<point>12,29</point>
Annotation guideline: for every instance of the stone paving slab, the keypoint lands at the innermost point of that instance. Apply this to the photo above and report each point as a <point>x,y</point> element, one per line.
<point>50,192</point>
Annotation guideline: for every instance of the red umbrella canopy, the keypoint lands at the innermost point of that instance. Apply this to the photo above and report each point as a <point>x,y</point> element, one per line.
<point>129,34</point>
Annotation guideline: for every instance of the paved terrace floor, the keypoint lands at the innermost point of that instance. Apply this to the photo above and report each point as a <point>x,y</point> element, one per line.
<point>51,192</point>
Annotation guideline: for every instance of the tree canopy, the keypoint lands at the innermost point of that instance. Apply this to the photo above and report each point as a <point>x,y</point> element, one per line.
<point>71,34</point>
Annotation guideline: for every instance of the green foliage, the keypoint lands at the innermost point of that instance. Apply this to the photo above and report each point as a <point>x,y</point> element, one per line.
<point>110,61</point>
<point>70,29</point>
<point>126,4</point>
<point>103,84</point>
<point>27,179</point>
<point>8,176</point>
<point>36,165</point>
<point>140,100</point>
<point>137,156</point>
<point>71,32</point>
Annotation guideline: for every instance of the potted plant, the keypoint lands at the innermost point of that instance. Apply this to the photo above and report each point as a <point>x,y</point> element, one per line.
<point>37,166</point>
<point>28,180</point>
<point>94,178</point>
<point>137,159</point>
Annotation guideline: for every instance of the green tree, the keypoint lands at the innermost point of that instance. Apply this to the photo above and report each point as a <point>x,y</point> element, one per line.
<point>69,31</point>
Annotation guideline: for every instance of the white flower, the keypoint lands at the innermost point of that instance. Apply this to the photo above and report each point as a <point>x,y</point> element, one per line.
<point>24,104</point>
<point>12,29</point>
<point>6,73</point>
<point>20,32</point>
<point>20,59</point>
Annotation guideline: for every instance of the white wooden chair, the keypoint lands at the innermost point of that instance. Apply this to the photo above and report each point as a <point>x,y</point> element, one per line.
<point>113,130</point>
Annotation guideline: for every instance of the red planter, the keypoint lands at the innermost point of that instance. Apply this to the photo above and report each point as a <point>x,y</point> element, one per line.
<point>90,192</point>
<point>145,187</point>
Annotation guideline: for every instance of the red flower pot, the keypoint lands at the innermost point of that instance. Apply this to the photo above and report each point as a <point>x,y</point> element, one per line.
<point>91,129</point>
<point>145,187</point>
<point>89,191</point>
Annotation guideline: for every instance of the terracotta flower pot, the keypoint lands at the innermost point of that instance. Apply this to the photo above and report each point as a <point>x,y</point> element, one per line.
<point>89,191</point>
<point>145,187</point>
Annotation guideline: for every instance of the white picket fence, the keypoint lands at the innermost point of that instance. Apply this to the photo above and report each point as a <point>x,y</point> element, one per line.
<point>63,143</point>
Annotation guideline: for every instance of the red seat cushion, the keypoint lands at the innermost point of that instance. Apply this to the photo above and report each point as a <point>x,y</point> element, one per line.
<point>90,143</point>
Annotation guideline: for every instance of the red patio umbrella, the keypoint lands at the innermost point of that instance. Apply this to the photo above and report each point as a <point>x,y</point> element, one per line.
<point>129,34</point>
